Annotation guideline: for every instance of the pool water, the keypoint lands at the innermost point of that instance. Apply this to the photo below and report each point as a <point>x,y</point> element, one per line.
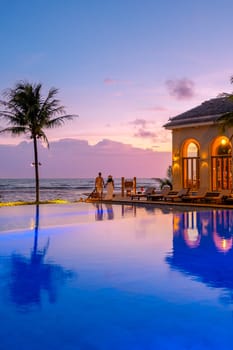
<point>106,277</point>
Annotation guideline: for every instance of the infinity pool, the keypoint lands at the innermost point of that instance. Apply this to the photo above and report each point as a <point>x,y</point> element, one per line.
<point>92,277</point>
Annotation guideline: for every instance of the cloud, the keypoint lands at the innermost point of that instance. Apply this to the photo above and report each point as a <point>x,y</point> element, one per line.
<point>70,158</point>
<point>181,89</point>
<point>161,136</point>
<point>147,129</point>
<point>110,81</point>
<point>139,122</point>
<point>145,133</point>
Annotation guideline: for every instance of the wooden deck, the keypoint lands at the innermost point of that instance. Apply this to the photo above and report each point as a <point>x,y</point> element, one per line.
<point>118,199</point>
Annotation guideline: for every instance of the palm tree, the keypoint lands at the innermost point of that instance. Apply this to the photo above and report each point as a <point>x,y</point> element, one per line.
<point>165,181</point>
<point>28,112</point>
<point>226,120</point>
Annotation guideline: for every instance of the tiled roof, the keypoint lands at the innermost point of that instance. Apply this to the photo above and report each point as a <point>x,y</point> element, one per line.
<point>206,113</point>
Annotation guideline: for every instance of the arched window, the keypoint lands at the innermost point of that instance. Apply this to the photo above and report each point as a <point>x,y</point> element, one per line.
<point>191,165</point>
<point>221,161</point>
<point>192,150</point>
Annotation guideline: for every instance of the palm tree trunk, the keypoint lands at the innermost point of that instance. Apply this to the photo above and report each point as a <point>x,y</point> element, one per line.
<point>36,170</point>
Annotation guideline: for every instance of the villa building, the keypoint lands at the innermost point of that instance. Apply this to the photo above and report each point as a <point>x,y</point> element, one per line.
<point>201,152</point>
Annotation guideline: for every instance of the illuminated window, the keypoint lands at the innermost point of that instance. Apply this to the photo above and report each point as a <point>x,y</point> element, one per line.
<point>221,164</point>
<point>191,166</point>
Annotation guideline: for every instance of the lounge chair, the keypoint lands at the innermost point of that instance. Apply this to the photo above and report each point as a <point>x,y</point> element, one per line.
<point>228,199</point>
<point>226,194</point>
<point>139,195</point>
<point>171,197</point>
<point>216,197</point>
<point>195,196</point>
<point>159,195</point>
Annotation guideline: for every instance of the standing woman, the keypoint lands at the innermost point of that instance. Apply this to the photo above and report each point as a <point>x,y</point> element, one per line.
<point>109,188</point>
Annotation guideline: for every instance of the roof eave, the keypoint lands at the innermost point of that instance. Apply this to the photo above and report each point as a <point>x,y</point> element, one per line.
<point>189,125</point>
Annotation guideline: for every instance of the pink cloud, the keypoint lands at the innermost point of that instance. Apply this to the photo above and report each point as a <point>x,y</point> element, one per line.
<point>181,89</point>
<point>70,158</point>
<point>139,122</point>
<point>110,81</point>
<point>161,136</point>
<point>145,133</point>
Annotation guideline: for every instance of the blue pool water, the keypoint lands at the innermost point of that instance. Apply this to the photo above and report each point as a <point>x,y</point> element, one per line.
<point>88,277</point>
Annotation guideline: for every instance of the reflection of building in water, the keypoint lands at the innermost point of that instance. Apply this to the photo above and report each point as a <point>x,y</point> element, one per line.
<point>222,230</point>
<point>191,234</point>
<point>202,246</point>
<point>216,225</point>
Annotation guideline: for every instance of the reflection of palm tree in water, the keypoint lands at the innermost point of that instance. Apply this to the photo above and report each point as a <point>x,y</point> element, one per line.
<point>30,276</point>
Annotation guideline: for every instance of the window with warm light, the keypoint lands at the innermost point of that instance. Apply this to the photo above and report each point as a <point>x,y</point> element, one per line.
<point>191,166</point>
<point>221,163</point>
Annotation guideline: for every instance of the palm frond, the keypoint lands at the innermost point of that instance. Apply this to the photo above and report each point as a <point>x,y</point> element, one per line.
<point>59,121</point>
<point>44,138</point>
<point>15,130</point>
<point>27,112</point>
<point>225,121</point>
<point>163,182</point>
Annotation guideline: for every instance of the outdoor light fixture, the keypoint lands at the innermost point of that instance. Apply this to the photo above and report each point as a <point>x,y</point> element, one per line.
<point>223,142</point>
<point>32,164</point>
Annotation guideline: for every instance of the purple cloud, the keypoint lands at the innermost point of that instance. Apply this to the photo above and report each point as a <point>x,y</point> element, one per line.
<point>181,89</point>
<point>145,133</point>
<point>161,136</point>
<point>146,129</point>
<point>110,81</point>
<point>139,122</point>
<point>64,157</point>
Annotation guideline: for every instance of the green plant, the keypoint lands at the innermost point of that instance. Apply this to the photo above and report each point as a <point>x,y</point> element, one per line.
<point>165,181</point>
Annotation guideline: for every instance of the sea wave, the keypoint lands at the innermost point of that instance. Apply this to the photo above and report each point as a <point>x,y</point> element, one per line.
<point>67,189</point>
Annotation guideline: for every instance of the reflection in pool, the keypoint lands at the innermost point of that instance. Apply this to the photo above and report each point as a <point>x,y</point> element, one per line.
<point>115,277</point>
<point>202,247</point>
<point>30,276</point>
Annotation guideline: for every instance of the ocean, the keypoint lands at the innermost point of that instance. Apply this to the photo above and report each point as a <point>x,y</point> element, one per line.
<point>12,190</point>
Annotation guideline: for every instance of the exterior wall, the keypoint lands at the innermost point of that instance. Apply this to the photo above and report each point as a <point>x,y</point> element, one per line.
<point>204,136</point>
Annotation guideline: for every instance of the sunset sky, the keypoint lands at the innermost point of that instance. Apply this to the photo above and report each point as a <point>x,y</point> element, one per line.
<point>124,66</point>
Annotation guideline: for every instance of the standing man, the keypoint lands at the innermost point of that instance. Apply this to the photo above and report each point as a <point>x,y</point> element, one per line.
<point>99,185</point>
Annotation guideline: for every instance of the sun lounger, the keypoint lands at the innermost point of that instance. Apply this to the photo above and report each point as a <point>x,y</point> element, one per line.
<point>178,195</point>
<point>159,195</point>
<point>228,199</point>
<point>139,195</point>
<point>216,197</point>
<point>195,196</point>
<point>226,194</point>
